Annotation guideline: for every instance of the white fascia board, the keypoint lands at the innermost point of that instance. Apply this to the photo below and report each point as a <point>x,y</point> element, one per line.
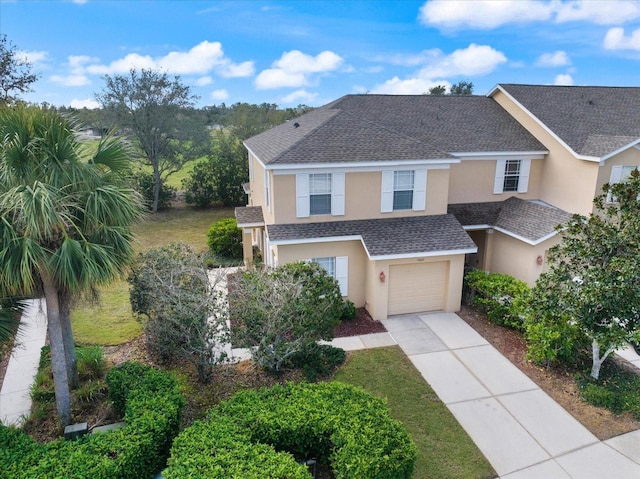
<point>476,227</point>
<point>326,239</point>
<point>526,240</point>
<point>429,254</point>
<point>503,155</point>
<point>542,125</point>
<point>362,166</point>
<point>634,144</point>
<point>254,155</point>
<point>250,225</point>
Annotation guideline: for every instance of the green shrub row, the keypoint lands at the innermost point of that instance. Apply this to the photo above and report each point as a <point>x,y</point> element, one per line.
<point>502,297</point>
<point>152,406</point>
<point>335,423</point>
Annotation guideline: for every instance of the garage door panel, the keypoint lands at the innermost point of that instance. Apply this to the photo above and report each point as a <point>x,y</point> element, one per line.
<point>417,287</point>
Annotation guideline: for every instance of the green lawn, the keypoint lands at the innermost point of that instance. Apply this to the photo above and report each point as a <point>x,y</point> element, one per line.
<point>444,448</point>
<point>176,178</point>
<point>111,322</point>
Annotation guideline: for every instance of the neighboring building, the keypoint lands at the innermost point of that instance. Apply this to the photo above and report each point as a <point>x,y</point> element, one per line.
<point>395,194</point>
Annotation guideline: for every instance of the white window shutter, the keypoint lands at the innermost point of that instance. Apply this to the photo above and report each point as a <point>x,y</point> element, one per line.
<point>302,195</point>
<point>387,192</point>
<point>419,189</point>
<point>267,189</point>
<point>616,176</point>
<point>523,180</point>
<point>337,194</point>
<point>342,274</point>
<point>498,185</point>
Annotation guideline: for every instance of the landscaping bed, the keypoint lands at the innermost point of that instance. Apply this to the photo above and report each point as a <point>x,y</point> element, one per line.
<point>363,323</point>
<point>559,383</point>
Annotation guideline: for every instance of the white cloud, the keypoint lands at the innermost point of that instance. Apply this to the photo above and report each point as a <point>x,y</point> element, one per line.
<point>472,61</point>
<point>601,12</point>
<point>199,60</point>
<point>33,57</point>
<point>615,39</point>
<point>484,14</point>
<point>204,81</point>
<point>294,69</point>
<point>410,86</point>
<point>563,80</point>
<point>89,103</point>
<point>489,14</point>
<point>558,58</point>
<point>70,80</point>
<point>80,2</point>
<point>219,94</point>
<point>300,97</point>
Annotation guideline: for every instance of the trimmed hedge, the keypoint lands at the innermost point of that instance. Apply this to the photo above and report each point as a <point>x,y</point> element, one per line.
<point>333,422</point>
<point>152,405</point>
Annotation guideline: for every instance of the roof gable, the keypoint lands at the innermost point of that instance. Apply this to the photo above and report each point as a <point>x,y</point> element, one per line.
<point>592,121</point>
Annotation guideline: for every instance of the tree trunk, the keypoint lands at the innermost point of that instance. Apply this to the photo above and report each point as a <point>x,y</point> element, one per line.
<point>156,187</point>
<point>67,336</point>
<point>597,360</point>
<point>58,357</point>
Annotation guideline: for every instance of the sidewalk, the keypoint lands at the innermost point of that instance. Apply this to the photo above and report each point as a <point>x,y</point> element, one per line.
<point>15,401</point>
<point>517,426</point>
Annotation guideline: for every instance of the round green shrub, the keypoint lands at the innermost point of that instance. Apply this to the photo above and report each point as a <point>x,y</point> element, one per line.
<point>224,238</point>
<point>336,423</point>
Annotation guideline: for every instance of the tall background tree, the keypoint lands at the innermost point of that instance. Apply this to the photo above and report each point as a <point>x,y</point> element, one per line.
<point>65,222</point>
<point>594,276</point>
<point>15,72</point>
<point>156,112</point>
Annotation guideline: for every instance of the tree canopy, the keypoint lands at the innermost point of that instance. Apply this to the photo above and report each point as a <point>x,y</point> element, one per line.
<point>65,221</point>
<point>156,112</point>
<point>594,275</point>
<point>15,72</point>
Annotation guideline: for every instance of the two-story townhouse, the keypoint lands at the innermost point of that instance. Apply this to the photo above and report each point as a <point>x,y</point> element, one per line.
<point>395,194</point>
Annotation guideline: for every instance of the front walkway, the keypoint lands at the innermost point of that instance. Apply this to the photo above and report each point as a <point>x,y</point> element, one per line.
<point>15,399</point>
<point>517,426</point>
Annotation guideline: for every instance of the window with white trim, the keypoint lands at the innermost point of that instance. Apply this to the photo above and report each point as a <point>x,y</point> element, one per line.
<point>512,176</point>
<point>267,190</point>
<point>403,190</point>
<point>337,267</point>
<point>618,175</point>
<point>319,194</point>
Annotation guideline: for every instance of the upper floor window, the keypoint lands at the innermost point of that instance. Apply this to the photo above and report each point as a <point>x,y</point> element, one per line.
<point>512,175</point>
<point>403,190</point>
<point>319,194</point>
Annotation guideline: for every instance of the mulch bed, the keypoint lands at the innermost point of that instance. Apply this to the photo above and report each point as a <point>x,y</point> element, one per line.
<point>363,323</point>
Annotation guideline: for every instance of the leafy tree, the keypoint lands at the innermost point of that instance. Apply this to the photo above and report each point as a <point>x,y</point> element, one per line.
<point>285,311</point>
<point>461,88</point>
<point>438,90</point>
<point>224,238</point>
<point>219,179</point>
<point>155,111</point>
<point>15,72</point>
<point>183,310</point>
<point>65,222</point>
<point>10,311</point>
<point>246,120</point>
<point>145,185</point>
<point>594,275</point>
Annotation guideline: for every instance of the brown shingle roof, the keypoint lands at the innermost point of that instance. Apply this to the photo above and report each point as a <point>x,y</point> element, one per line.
<point>414,235</point>
<point>532,220</point>
<point>593,121</point>
<point>249,216</point>
<point>358,128</point>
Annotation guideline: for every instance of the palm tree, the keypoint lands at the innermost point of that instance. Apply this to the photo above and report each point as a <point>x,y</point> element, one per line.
<point>65,222</point>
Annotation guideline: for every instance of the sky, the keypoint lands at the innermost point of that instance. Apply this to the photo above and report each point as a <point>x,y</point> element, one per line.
<point>313,52</point>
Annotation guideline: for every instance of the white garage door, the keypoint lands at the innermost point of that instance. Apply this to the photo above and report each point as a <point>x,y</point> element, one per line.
<point>417,287</point>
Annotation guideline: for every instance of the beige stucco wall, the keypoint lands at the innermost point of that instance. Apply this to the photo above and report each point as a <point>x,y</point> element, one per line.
<point>471,181</point>
<point>377,292</point>
<point>629,157</point>
<point>362,197</point>
<point>256,196</point>
<point>353,249</point>
<point>517,258</point>
<point>567,182</point>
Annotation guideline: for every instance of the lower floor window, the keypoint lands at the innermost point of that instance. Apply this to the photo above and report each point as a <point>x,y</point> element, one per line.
<point>337,267</point>
<point>327,263</point>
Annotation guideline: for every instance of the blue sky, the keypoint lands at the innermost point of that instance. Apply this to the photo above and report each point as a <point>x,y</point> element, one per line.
<point>312,52</point>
